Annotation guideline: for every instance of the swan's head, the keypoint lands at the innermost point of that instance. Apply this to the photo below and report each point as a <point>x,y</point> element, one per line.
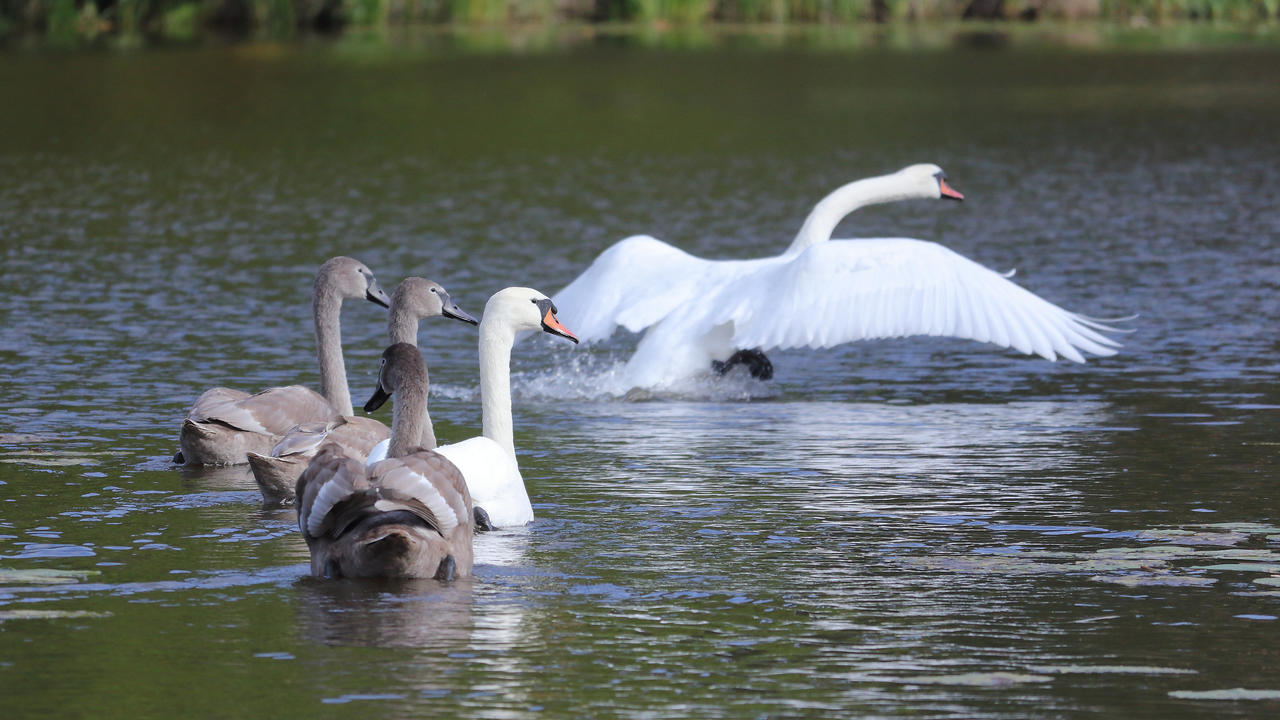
<point>349,278</point>
<point>423,298</point>
<point>928,181</point>
<point>402,368</point>
<point>522,308</point>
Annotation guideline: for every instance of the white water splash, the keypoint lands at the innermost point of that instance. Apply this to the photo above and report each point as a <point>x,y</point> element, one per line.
<point>584,376</point>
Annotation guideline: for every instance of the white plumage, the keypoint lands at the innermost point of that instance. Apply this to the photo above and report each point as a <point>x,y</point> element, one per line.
<point>818,294</point>
<point>488,462</point>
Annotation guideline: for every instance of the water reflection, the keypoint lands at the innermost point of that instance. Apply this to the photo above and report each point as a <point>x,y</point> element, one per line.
<point>422,614</point>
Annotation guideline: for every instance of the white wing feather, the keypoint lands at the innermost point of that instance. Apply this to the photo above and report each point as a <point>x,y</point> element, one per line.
<point>846,290</point>
<point>635,283</point>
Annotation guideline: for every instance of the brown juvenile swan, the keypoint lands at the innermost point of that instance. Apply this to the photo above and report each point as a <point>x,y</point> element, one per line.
<point>223,424</point>
<point>277,474</point>
<point>409,516</point>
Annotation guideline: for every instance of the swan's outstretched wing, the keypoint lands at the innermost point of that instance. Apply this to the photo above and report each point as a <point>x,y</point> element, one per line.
<point>635,283</point>
<point>846,290</point>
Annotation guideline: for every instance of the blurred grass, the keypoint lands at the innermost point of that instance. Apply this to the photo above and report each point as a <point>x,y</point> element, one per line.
<point>66,21</point>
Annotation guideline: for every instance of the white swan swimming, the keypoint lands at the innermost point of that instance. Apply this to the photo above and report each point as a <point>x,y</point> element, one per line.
<point>703,314</point>
<point>488,462</point>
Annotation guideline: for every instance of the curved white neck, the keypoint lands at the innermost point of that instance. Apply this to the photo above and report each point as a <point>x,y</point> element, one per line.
<point>496,340</point>
<point>326,309</point>
<point>833,208</point>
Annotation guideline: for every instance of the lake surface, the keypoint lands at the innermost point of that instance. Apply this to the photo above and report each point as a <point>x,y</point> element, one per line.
<point>904,528</point>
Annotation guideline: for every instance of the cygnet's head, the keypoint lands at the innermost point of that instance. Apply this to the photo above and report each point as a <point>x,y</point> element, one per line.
<point>350,278</point>
<point>928,181</point>
<point>522,308</point>
<point>402,368</point>
<point>424,298</point>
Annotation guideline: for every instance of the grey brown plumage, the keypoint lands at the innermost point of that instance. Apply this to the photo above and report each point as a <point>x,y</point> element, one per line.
<point>408,516</point>
<point>224,425</point>
<point>276,470</point>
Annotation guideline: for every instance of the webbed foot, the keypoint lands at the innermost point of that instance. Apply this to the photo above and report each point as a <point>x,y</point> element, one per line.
<point>446,569</point>
<point>483,523</point>
<point>757,364</point>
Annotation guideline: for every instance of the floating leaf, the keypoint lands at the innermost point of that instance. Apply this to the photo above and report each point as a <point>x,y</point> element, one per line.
<point>45,462</point>
<point>1191,537</point>
<point>1244,567</point>
<point>1239,554</point>
<point>1110,670</point>
<point>21,438</point>
<point>1245,527</point>
<point>49,614</point>
<point>42,576</point>
<point>1145,580</point>
<point>991,679</point>
<point>1232,694</point>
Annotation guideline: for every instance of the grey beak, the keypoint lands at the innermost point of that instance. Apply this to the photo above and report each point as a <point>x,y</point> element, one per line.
<point>374,294</point>
<point>451,310</point>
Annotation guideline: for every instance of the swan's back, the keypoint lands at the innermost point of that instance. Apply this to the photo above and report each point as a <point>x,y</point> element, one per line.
<point>271,412</point>
<point>406,517</point>
<point>491,474</point>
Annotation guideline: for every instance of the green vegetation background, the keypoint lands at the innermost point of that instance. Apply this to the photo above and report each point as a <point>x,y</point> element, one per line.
<point>73,19</point>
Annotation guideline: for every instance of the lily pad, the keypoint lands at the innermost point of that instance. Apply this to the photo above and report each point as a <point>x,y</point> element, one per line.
<point>991,679</point>
<point>22,438</point>
<point>1191,537</point>
<point>1165,552</point>
<point>1156,580</point>
<point>1113,564</point>
<point>1245,527</point>
<point>24,614</point>
<point>1110,670</point>
<point>43,576</point>
<point>1231,694</point>
<point>1239,554</point>
<point>45,461</point>
<point>1244,567</point>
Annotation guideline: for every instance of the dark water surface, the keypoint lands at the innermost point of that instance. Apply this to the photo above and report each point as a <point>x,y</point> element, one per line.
<point>917,527</point>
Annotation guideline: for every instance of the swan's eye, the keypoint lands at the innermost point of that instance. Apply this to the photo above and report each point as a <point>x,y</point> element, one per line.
<point>434,290</point>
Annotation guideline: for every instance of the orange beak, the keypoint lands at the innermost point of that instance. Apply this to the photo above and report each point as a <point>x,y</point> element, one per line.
<point>552,324</point>
<point>948,191</point>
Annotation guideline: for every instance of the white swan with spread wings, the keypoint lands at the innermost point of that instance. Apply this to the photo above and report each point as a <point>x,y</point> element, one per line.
<point>702,315</point>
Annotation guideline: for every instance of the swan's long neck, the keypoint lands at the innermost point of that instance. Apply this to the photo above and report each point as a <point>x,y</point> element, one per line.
<point>326,308</point>
<point>402,325</point>
<point>829,211</point>
<point>496,340</point>
<point>411,426</point>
